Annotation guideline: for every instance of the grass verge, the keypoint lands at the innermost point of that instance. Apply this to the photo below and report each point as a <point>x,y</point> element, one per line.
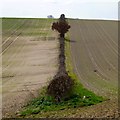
<point>45,106</point>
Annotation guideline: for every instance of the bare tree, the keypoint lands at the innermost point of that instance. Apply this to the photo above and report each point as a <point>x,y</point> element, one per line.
<point>61,84</point>
<point>61,26</point>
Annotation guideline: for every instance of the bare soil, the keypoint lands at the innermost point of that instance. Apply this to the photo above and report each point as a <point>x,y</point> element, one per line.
<point>31,61</point>
<point>28,64</point>
<point>95,60</point>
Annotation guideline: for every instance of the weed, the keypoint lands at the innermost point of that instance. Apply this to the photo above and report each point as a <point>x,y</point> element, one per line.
<point>46,103</point>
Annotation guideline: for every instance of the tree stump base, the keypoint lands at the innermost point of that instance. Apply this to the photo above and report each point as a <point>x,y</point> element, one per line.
<point>60,86</point>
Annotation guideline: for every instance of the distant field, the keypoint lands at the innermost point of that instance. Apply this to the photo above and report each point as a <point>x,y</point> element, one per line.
<point>95,54</point>
<point>12,28</point>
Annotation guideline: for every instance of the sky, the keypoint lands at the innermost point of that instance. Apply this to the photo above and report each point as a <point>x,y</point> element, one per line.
<point>82,9</point>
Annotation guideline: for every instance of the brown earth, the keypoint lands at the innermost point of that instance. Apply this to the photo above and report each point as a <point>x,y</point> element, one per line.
<point>29,62</point>
<point>94,50</point>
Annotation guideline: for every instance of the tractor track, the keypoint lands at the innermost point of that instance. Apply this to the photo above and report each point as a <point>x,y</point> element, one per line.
<point>8,42</point>
<point>87,47</point>
<point>18,64</point>
<point>14,53</point>
<point>19,50</point>
<point>94,58</point>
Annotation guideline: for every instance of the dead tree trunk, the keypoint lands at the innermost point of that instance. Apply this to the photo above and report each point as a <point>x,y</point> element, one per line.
<point>61,83</point>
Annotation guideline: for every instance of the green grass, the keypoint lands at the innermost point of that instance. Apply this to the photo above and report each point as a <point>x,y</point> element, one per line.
<point>78,97</point>
<point>45,103</point>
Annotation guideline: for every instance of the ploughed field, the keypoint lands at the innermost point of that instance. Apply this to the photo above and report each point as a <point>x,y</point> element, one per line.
<point>29,58</point>
<point>94,50</point>
<point>30,53</point>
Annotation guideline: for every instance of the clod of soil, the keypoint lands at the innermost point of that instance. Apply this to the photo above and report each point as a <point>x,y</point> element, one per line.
<point>95,70</point>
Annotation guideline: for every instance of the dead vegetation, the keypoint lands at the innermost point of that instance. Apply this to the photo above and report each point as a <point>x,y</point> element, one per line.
<point>61,84</point>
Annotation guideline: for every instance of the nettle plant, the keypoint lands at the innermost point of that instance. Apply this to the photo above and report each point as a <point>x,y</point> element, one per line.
<point>61,26</point>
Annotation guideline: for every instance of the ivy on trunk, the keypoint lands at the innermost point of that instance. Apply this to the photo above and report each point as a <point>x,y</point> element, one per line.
<point>61,84</point>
